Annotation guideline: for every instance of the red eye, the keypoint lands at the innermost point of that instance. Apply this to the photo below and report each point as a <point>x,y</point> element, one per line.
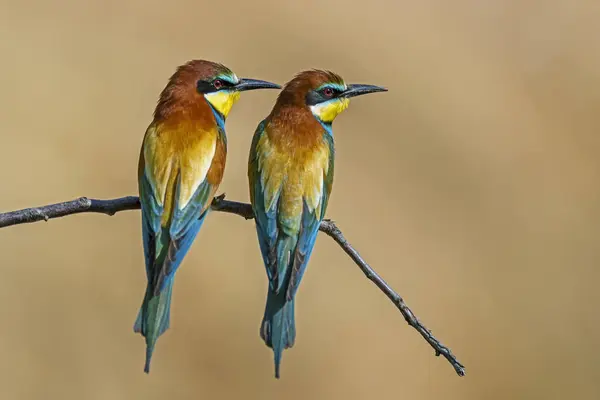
<point>328,92</point>
<point>218,84</point>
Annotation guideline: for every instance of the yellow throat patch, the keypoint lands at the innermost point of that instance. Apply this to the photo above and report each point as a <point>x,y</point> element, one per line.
<point>327,111</point>
<point>223,100</point>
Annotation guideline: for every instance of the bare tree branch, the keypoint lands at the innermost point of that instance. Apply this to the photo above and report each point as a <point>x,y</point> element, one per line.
<point>110,207</point>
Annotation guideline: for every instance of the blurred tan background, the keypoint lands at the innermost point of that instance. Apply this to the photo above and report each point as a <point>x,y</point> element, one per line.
<point>472,187</point>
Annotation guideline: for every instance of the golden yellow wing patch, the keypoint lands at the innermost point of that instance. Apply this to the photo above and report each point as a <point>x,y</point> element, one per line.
<point>182,150</point>
<point>316,168</point>
<point>272,166</point>
<point>194,163</point>
<point>292,177</point>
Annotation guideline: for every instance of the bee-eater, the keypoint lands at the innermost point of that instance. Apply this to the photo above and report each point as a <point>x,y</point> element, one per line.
<point>181,165</point>
<point>290,172</point>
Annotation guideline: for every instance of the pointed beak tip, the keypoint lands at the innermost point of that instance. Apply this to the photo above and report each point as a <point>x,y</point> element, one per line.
<point>360,89</point>
<point>252,84</point>
<point>378,88</point>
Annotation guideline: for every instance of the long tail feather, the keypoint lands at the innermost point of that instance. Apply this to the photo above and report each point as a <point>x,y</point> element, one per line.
<point>154,318</point>
<point>278,328</point>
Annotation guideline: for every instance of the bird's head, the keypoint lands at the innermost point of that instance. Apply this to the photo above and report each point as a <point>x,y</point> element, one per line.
<point>199,80</point>
<point>323,92</point>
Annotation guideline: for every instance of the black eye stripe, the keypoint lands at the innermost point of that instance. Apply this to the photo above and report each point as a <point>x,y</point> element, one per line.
<point>207,86</point>
<point>224,83</point>
<point>319,96</point>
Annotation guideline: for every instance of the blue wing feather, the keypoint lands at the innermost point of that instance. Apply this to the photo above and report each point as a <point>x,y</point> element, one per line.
<point>183,228</point>
<point>266,220</point>
<point>151,230</point>
<point>306,242</point>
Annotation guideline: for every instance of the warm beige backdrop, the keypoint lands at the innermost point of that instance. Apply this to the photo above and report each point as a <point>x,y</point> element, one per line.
<point>472,186</point>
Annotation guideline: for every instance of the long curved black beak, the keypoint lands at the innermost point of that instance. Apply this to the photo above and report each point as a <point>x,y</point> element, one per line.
<point>358,90</point>
<point>252,84</point>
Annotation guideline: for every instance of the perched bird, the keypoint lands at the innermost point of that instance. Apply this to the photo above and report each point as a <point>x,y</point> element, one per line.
<point>290,172</point>
<point>181,165</point>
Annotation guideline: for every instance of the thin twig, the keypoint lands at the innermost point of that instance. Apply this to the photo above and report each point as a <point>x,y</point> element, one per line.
<point>331,229</point>
<point>110,207</point>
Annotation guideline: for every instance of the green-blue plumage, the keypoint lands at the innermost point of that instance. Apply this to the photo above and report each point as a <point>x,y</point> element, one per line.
<point>165,248</point>
<point>286,243</point>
